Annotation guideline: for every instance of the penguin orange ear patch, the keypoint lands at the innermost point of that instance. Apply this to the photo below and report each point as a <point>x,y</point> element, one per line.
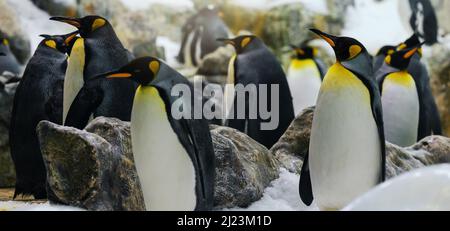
<point>388,59</point>
<point>154,67</point>
<point>99,22</point>
<point>51,43</point>
<point>245,42</point>
<point>354,51</point>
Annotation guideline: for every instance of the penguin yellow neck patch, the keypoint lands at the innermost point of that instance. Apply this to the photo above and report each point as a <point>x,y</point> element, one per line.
<point>99,22</point>
<point>339,78</point>
<point>297,64</point>
<point>401,78</point>
<point>51,44</point>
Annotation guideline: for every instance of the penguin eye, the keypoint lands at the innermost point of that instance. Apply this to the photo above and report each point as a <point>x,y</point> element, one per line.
<point>245,42</point>
<point>354,51</point>
<point>51,43</point>
<point>99,22</point>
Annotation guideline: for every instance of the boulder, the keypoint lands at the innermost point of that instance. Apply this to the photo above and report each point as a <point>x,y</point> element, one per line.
<point>424,189</point>
<point>57,7</point>
<point>7,172</point>
<point>216,63</point>
<point>294,144</point>
<point>89,171</point>
<point>11,29</point>
<point>244,168</point>
<point>440,82</point>
<point>93,169</point>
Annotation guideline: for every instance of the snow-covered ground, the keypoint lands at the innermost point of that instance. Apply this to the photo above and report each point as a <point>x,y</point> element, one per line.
<point>282,195</point>
<point>24,206</point>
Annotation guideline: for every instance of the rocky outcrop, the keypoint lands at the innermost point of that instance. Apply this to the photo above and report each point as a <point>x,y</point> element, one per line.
<point>440,82</point>
<point>93,169</point>
<point>7,91</point>
<point>57,8</point>
<point>294,144</point>
<point>244,168</point>
<point>10,28</point>
<point>216,63</point>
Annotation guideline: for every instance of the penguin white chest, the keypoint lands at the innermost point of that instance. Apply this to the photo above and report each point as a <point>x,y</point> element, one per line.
<point>400,109</point>
<point>165,170</point>
<point>229,90</point>
<point>73,81</point>
<point>344,154</point>
<point>304,82</point>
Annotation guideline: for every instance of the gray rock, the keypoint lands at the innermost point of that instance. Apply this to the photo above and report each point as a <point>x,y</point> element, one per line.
<point>56,8</point>
<point>216,63</point>
<point>93,169</point>
<point>292,147</point>
<point>439,65</point>
<point>7,172</point>
<point>294,144</point>
<point>244,168</point>
<point>88,171</point>
<point>11,29</point>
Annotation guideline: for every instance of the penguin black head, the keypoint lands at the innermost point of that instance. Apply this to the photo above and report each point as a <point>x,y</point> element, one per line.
<point>304,52</point>
<point>387,50</point>
<point>411,42</point>
<point>241,43</point>
<point>62,43</point>
<point>87,26</point>
<point>401,59</point>
<point>143,70</point>
<point>345,48</point>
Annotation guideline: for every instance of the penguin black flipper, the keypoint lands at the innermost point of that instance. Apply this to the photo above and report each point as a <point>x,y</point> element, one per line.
<point>377,110</point>
<point>55,103</point>
<point>84,105</point>
<point>196,139</point>
<point>322,68</point>
<point>305,186</point>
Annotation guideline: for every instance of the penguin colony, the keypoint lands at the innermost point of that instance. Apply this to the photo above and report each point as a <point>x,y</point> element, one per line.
<point>76,77</point>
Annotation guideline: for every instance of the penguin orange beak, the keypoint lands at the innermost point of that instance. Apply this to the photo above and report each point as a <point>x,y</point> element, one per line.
<point>76,22</point>
<point>70,37</point>
<point>330,39</point>
<point>118,75</point>
<point>410,53</point>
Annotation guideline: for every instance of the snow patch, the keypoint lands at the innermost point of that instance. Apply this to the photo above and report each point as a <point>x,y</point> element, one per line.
<point>36,22</point>
<point>375,24</point>
<point>282,195</point>
<point>25,206</point>
<point>171,49</point>
<point>142,4</point>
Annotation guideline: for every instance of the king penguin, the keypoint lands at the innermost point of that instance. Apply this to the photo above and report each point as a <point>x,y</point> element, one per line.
<point>102,52</point>
<point>254,65</point>
<point>429,119</point>
<point>38,97</point>
<point>381,56</point>
<point>8,61</point>
<point>304,77</point>
<point>347,148</point>
<point>200,35</point>
<point>400,99</point>
<point>419,16</point>
<point>174,157</point>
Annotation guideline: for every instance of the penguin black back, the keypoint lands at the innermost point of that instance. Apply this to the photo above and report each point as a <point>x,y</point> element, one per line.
<point>38,97</point>
<point>256,65</point>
